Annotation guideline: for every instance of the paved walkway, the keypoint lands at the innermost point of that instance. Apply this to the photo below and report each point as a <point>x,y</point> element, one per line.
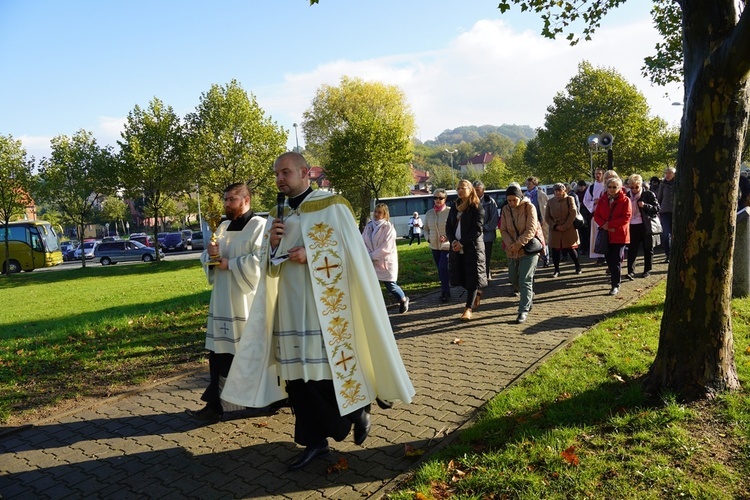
<point>142,445</point>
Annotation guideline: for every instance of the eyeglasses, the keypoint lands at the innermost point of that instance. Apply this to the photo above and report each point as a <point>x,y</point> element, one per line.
<point>613,187</point>
<point>439,197</point>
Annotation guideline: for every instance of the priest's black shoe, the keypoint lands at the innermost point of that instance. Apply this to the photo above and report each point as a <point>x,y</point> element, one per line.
<point>308,456</point>
<point>205,414</point>
<point>362,428</point>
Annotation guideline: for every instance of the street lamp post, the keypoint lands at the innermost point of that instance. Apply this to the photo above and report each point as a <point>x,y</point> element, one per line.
<point>453,172</point>
<point>296,139</point>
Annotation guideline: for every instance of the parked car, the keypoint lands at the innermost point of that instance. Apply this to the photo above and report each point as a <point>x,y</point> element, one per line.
<point>173,241</point>
<point>143,240</point>
<point>160,238</point>
<point>187,236</point>
<point>112,252</point>
<point>197,241</point>
<point>86,249</point>
<point>67,248</point>
<point>110,238</point>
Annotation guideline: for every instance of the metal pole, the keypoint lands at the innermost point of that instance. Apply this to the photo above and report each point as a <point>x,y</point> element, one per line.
<point>296,139</point>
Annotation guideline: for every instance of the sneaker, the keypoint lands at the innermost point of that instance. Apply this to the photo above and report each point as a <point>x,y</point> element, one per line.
<point>630,276</point>
<point>556,274</point>
<point>579,270</point>
<point>646,274</point>
<point>522,317</point>
<point>615,290</point>
<point>404,306</point>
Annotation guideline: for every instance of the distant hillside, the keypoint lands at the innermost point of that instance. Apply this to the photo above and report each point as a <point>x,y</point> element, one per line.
<point>471,133</point>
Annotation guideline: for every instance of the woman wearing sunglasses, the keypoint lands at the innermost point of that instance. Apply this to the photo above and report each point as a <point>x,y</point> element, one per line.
<point>612,214</point>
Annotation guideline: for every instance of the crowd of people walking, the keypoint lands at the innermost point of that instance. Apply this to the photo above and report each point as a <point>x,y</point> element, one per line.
<point>611,220</point>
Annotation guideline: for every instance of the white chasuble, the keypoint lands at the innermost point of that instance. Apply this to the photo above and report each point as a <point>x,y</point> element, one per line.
<point>233,289</point>
<point>355,334</point>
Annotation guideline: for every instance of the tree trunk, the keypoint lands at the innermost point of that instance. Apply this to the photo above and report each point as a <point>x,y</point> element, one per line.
<point>696,351</point>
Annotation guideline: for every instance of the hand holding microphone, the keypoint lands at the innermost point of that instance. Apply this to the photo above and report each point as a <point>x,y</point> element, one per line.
<point>277,228</point>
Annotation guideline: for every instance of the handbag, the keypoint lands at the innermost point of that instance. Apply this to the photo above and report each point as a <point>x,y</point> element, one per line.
<point>654,226</point>
<point>601,245</point>
<point>578,222</point>
<point>534,245</point>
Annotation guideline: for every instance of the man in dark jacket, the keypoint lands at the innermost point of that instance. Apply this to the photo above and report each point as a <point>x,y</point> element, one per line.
<point>489,232</point>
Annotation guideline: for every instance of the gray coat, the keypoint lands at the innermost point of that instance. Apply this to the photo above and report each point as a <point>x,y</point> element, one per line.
<point>489,231</point>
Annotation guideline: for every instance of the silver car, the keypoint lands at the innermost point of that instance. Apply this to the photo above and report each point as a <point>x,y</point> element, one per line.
<point>112,252</point>
<point>197,241</point>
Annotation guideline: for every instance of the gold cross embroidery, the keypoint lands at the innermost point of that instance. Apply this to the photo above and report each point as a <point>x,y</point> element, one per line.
<point>344,359</point>
<point>327,268</point>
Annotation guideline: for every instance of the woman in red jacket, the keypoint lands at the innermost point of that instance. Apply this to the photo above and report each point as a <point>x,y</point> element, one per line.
<point>613,214</point>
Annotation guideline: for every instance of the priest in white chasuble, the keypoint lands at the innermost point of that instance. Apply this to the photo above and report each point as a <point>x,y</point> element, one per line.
<point>234,277</point>
<point>320,329</point>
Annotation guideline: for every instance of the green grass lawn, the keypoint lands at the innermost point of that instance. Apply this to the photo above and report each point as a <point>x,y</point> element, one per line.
<point>581,427</point>
<point>74,333</point>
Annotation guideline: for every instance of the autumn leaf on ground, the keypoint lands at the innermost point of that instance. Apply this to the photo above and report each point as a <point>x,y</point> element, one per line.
<point>411,451</point>
<point>570,456</point>
<point>618,378</point>
<point>564,396</point>
<point>260,424</point>
<point>747,351</point>
<point>339,466</point>
<point>457,341</point>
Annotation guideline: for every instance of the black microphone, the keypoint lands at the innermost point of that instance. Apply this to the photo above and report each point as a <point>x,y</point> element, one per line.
<point>280,197</point>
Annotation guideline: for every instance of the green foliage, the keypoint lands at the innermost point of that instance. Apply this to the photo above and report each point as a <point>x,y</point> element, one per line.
<point>361,132</point>
<point>666,65</point>
<point>16,180</point>
<point>497,175</point>
<point>153,156</point>
<point>77,177</point>
<point>598,100</point>
<point>231,140</point>
<point>475,134</point>
<point>114,209</point>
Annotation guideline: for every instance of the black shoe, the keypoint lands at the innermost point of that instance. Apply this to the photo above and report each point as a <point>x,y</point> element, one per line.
<point>308,456</point>
<point>384,405</point>
<point>362,428</point>
<point>646,274</point>
<point>578,270</point>
<point>205,414</point>
<point>404,306</point>
<point>600,261</point>
<point>522,317</point>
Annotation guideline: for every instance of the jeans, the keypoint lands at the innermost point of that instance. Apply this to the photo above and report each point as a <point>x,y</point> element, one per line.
<point>666,234</point>
<point>441,261</point>
<point>395,290</point>
<point>521,274</point>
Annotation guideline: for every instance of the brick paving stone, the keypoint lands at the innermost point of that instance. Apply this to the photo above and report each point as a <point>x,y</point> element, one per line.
<point>143,445</point>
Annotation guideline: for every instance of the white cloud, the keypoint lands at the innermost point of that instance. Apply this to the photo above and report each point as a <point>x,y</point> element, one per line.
<point>491,74</point>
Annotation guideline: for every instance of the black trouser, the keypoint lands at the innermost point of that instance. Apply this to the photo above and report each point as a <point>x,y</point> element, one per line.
<point>638,238</point>
<point>487,256</point>
<point>570,251</point>
<point>316,413</point>
<point>418,236</point>
<point>218,366</point>
<point>614,262</point>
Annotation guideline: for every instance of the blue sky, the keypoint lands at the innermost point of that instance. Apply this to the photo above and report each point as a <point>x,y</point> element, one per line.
<point>76,64</point>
